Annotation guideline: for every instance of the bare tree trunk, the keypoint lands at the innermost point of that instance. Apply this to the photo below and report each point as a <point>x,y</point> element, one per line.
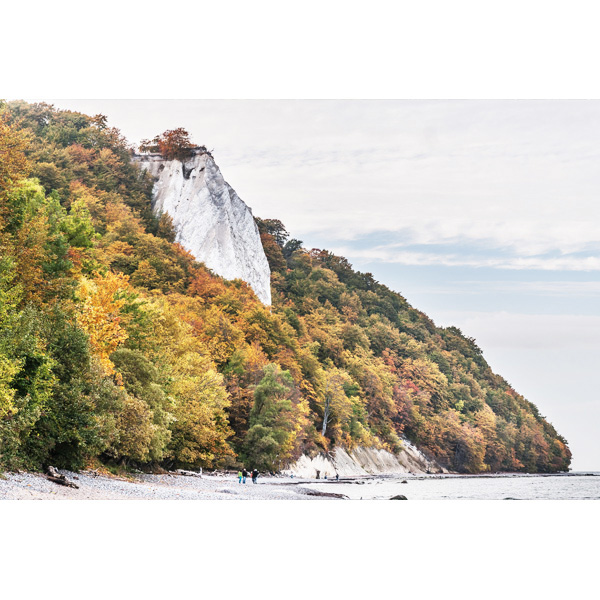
<point>330,390</point>
<point>325,417</point>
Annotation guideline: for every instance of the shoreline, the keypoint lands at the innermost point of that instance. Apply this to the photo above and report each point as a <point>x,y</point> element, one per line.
<point>177,486</point>
<point>170,486</point>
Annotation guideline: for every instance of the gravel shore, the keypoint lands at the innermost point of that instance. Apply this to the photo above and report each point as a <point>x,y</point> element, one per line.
<point>33,486</point>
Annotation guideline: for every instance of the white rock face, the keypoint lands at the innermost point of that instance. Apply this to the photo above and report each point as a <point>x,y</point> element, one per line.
<point>210,219</point>
<point>364,461</point>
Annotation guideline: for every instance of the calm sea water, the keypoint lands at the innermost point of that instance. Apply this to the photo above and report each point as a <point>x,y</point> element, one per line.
<point>571,486</point>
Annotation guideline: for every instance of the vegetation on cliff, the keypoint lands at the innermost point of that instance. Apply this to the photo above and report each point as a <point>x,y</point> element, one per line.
<point>116,345</point>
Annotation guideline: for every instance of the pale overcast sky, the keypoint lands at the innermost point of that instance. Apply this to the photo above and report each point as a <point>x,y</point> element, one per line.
<point>483,214</point>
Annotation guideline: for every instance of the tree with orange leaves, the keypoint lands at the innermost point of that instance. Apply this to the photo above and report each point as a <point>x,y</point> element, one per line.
<point>173,144</point>
<point>13,163</point>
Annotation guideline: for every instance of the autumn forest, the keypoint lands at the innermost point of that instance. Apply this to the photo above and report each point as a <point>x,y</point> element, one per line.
<point>118,348</point>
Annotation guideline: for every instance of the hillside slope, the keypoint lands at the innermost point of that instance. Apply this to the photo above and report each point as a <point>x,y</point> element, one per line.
<point>116,345</point>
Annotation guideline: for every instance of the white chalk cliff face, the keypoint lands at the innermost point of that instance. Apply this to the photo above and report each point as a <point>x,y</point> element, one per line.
<point>210,219</point>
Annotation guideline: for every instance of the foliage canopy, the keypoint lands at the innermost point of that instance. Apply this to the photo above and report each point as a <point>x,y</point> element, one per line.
<point>117,346</point>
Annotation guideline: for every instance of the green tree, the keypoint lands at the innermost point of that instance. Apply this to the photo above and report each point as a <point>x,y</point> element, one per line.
<point>141,380</point>
<point>277,420</point>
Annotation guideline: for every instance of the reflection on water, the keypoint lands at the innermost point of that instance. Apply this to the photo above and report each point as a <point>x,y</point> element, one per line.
<point>571,486</point>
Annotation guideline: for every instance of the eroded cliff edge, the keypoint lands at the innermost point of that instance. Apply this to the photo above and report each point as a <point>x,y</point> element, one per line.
<point>211,221</point>
<point>364,461</point>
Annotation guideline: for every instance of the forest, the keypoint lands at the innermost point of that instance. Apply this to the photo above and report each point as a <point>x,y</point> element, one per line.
<point>118,348</point>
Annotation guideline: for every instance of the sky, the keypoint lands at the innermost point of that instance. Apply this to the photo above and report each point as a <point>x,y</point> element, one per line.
<point>483,214</point>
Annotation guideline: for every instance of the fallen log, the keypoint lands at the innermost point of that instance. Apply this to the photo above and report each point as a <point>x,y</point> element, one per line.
<point>53,475</point>
<point>311,492</point>
<point>188,473</point>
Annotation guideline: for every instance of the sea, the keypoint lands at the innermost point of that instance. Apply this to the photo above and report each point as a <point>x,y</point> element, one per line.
<point>506,486</point>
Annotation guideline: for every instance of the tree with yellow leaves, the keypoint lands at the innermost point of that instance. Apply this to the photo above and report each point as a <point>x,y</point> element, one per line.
<point>100,315</point>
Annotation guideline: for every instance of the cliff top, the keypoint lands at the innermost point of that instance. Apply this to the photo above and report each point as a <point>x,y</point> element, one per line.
<point>195,151</point>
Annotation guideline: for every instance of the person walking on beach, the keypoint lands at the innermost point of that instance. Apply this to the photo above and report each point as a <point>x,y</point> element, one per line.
<point>240,476</point>
<point>244,475</point>
<point>254,475</point>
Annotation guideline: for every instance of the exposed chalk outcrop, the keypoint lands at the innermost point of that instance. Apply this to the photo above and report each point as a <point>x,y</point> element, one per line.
<point>210,219</point>
<point>364,461</point>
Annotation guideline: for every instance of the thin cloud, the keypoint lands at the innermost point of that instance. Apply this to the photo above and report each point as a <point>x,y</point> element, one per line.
<point>408,258</point>
<point>520,175</point>
<point>556,289</point>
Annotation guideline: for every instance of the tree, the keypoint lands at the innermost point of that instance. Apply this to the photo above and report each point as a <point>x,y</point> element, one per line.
<point>201,427</point>
<point>74,426</point>
<point>100,317</point>
<point>9,299</point>
<point>277,420</point>
<point>273,253</point>
<point>13,163</point>
<point>335,402</point>
<point>173,144</point>
<point>141,380</point>
<point>28,385</point>
<point>165,227</point>
<point>274,228</point>
<point>196,391</point>
<point>290,247</point>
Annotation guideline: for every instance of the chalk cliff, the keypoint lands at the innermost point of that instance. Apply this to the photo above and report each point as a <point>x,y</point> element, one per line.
<point>364,461</point>
<point>211,221</point>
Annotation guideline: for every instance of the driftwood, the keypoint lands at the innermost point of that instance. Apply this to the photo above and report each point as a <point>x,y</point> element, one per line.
<point>311,492</point>
<point>188,473</point>
<point>302,481</point>
<point>53,475</point>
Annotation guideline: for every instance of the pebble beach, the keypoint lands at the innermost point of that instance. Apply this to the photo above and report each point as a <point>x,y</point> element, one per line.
<point>92,486</point>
